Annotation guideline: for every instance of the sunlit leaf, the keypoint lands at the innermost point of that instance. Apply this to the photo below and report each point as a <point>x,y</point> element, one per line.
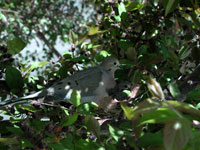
<point>115,133</point>
<point>72,37</point>
<point>121,8</point>
<point>174,90</point>
<point>94,30</point>
<point>69,119</point>
<point>87,108</point>
<point>75,98</point>
<point>128,111</point>
<point>3,17</point>
<point>183,107</point>
<point>155,88</point>
<point>134,6</point>
<point>161,115</point>
<point>29,108</point>
<point>35,65</point>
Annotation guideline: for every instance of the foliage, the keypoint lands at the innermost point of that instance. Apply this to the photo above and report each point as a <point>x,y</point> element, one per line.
<point>157,44</point>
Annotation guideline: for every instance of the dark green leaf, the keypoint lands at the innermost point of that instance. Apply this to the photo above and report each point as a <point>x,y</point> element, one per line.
<point>15,130</point>
<point>170,5</point>
<point>194,94</point>
<point>69,120</point>
<point>15,46</point>
<point>26,144</point>
<point>150,139</point>
<point>14,79</point>
<point>93,125</point>
<point>57,146</point>
<point>68,142</point>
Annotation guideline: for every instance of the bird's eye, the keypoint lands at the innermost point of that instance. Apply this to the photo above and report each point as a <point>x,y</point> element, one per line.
<point>115,63</point>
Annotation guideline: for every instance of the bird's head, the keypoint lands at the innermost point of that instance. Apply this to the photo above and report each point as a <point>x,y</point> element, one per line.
<point>110,64</point>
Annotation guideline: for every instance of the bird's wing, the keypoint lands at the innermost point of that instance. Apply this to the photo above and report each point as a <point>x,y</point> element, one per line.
<point>85,81</point>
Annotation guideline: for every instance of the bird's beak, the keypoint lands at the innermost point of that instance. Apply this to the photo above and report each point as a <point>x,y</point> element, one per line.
<point>119,67</point>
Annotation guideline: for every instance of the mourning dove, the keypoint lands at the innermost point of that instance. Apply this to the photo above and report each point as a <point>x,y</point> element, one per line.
<point>92,83</point>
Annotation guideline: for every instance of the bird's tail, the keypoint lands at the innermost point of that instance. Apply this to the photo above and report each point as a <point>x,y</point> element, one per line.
<point>20,99</point>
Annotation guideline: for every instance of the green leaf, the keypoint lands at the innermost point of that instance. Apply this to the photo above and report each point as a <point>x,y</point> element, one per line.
<point>38,125</point>
<point>87,108</point>
<point>73,38</point>
<point>134,6</point>
<point>101,55</point>
<point>40,87</point>
<point>3,17</point>
<point>57,146</point>
<point>14,79</point>
<point>128,111</point>
<point>115,133</point>
<point>82,145</point>
<point>161,115</point>
<point>150,139</point>
<point>15,130</point>
<point>195,20</point>
<point>170,5</point>
<point>177,133</point>
<point>94,30</point>
<point>173,57</point>
<point>155,88</point>
<point>9,141</point>
<point>174,90</point>
<point>131,53</point>
<point>164,50</point>
<point>93,125</point>
<point>185,108</point>
<point>121,8</point>
<point>76,98</point>
<point>26,143</point>
<point>194,94</point>
<point>194,141</point>
<point>69,120</point>
<point>110,146</point>
<point>29,108</point>
<point>68,142</point>
<point>35,65</point>
<point>15,46</point>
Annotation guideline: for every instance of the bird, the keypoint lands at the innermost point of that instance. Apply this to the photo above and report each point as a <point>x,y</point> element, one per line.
<point>92,83</point>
